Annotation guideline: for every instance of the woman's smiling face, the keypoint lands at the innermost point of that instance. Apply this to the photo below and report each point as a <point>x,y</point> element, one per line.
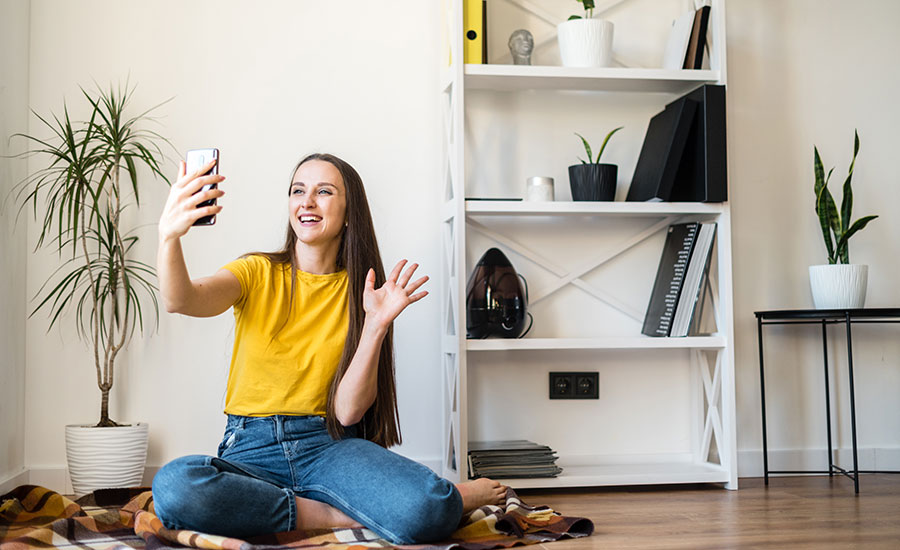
<point>318,203</point>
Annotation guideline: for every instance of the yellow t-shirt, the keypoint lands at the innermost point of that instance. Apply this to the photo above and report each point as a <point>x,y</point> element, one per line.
<point>290,373</point>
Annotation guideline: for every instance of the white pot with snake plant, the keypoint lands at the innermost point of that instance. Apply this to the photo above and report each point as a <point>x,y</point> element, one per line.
<point>89,176</point>
<point>837,284</point>
<point>585,41</point>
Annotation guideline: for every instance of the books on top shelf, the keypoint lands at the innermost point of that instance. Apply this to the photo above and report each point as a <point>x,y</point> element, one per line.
<point>694,57</point>
<point>679,40</point>
<point>511,459</point>
<point>687,39</point>
<point>682,280</point>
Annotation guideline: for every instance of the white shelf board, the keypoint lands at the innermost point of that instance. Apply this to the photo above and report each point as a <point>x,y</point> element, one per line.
<point>611,342</point>
<point>625,474</point>
<point>598,79</point>
<point>558,208</point>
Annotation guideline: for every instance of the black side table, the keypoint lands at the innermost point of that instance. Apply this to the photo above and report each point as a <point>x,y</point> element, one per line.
<point>822,317</point>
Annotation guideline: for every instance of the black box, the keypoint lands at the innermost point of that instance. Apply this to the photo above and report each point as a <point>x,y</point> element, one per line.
<point>702,174</point>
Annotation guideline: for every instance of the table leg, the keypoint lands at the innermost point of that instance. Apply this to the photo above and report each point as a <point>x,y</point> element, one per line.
<point>852,404</point>
<point>827,398</point>
<point>762,395</point>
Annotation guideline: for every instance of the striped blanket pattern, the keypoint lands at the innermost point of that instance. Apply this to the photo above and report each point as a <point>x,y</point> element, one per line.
<point>36,517</point>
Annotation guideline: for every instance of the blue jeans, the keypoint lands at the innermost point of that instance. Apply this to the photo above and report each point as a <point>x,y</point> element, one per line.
<point>264,462</point>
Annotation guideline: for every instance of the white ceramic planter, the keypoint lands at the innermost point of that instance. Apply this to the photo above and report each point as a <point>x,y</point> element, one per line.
<point>103,458</point>
<point>585,42</point>
<point>838,286</point>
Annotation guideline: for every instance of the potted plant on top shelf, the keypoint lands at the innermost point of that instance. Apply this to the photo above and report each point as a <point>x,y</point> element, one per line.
<point>592,181</point>
<point>89,177</point>
<point>585,41</point>
<point>837,284</point>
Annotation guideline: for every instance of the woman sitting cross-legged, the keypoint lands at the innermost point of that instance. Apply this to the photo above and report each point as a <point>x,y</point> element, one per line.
<point>310,399</point>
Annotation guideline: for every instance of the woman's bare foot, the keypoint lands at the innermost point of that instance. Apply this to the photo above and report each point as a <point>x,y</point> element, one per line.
<point>312,514</point>
<point>478,492</point>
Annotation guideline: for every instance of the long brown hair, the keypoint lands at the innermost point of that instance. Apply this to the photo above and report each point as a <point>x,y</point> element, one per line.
<point>357,253</point>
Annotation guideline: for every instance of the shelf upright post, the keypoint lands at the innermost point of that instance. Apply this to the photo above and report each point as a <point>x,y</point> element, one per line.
<point>717,61</point>
<point>728,449</point>
<point>453,329</point>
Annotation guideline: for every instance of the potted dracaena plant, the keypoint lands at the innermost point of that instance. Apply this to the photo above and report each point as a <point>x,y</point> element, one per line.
<point>89,176</point>
<point>592,181</point>
<point>585,41</point>
<point>837,284</point>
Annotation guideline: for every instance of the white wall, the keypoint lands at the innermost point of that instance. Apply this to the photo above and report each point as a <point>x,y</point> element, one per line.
<point>803,73</point>
<point>13,116</point>
<point>268,84</point>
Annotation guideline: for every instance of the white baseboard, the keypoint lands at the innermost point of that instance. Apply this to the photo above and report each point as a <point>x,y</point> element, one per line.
<point>13,480</point>
<point>56,478</point>
<point>750,462</point>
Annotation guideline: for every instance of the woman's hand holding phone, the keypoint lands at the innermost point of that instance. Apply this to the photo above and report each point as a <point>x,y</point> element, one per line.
<point>181,210</point>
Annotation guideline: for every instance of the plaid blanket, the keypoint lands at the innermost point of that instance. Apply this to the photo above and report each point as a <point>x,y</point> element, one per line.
<point>35,517</point>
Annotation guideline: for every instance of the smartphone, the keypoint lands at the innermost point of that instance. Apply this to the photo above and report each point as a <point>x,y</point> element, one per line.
<point>195,160</point>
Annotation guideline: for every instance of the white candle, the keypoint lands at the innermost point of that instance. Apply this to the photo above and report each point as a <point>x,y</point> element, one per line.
<point>539,188</point>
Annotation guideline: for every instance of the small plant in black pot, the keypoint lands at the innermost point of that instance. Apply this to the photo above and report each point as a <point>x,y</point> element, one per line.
<point>592,181</point>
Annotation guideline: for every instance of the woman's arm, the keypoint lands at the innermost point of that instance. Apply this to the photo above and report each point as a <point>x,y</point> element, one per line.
<point>203,297</point>
<point>358,388</point>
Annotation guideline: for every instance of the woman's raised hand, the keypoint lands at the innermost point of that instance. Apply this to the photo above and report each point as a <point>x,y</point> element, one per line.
<point>384,304</point>
<point>181,210</point>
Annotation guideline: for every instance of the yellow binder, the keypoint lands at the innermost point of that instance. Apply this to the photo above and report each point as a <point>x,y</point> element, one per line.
<point>473,27</point>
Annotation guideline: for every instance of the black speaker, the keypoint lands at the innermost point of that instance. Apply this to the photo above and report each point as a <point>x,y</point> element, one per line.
<point>496,301</point>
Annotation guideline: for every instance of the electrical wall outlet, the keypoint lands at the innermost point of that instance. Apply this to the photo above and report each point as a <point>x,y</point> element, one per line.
<point>574,385</point>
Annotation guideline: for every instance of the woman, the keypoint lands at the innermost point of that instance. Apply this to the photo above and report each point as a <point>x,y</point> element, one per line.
<point>310,398</point>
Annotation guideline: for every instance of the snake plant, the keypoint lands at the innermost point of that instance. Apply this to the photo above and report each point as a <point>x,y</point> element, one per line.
<point>836,227</point>
<point>587,147</point>
<point>588,9</point>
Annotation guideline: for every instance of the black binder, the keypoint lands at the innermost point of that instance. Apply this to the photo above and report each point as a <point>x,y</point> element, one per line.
<point>702,174</point>
<point>661,152</point>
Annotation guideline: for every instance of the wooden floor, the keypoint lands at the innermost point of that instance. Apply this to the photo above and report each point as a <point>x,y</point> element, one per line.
<point>793,512</point>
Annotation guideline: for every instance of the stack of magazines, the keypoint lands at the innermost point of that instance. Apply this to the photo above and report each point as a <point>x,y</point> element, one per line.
<point>511,459</point>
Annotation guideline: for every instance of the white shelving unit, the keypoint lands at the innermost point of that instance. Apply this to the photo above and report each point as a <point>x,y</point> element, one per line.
<point>527,77</point>
<point>712,454</point>
<point>649,209</point>
<point>610,343</point>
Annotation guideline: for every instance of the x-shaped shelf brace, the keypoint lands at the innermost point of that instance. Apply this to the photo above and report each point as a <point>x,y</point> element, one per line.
<point>574,276</point>
<point>712,388</point>
<point>448,168</point>
<point>450,372</point>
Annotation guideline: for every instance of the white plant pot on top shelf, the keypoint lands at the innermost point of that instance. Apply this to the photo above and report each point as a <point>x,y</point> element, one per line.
<point>585,42</point>
<point>105,458</point>
<point>838,286</point>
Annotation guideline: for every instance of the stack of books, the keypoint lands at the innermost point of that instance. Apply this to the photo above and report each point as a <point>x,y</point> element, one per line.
<point>682,281</point>
<point>511,459</point>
